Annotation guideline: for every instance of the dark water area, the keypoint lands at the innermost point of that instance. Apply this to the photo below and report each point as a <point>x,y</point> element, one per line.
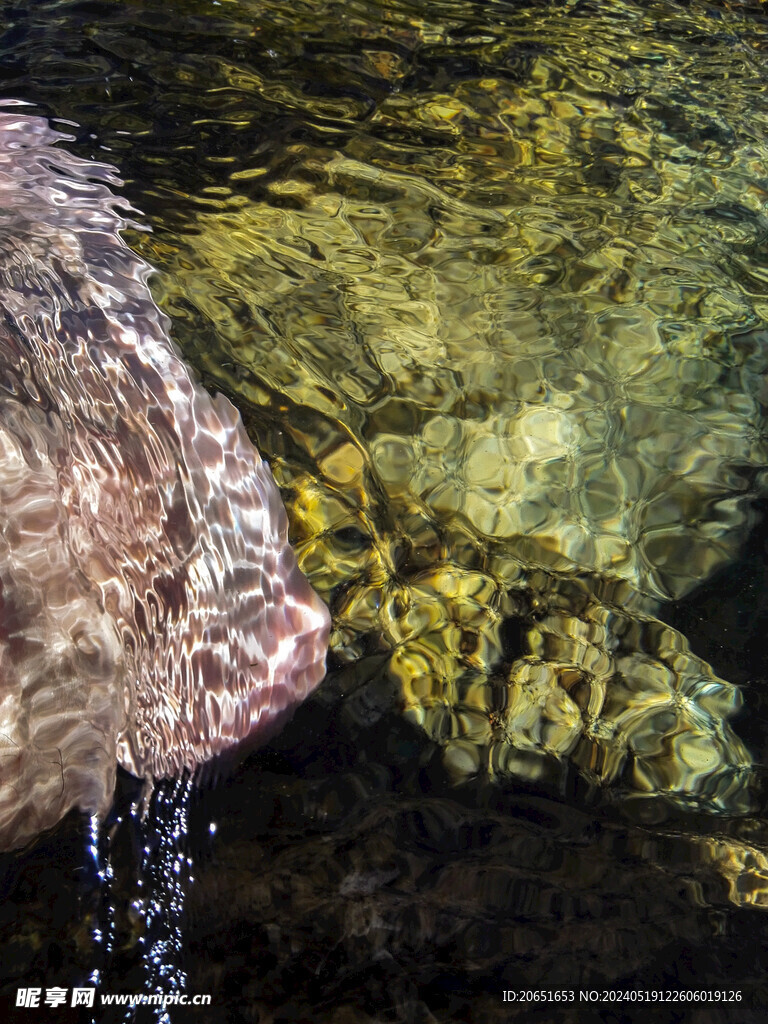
<point>487,283</point>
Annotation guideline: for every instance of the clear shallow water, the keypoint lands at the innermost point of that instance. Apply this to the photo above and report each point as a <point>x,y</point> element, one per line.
<point>488,285</point>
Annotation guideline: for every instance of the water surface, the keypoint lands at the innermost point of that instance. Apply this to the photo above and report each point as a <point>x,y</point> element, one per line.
<point>488,285</point>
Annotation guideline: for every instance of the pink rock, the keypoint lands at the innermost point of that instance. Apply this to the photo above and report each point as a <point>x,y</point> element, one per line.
<point>151,610</point>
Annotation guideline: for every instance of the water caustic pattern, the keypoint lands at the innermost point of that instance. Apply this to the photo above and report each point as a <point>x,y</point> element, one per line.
<point>503,298</point>
<point>152,610</point>
<point>621,453</point>
<point>487,282</point>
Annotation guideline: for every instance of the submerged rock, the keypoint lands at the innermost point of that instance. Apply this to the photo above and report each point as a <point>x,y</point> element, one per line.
<point>152,613</point>
<point>532,410</point>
